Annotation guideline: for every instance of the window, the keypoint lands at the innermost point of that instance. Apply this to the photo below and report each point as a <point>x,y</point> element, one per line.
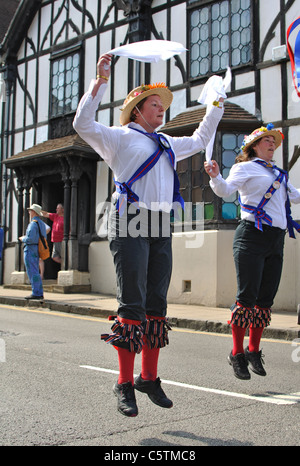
<point>194,184</point>
<point>220,36</point>
<point>65,84</point>
<point>194,181</point>
<point>231,144</point>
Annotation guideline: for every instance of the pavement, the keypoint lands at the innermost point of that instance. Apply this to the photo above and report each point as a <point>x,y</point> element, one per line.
<point>284,324</point>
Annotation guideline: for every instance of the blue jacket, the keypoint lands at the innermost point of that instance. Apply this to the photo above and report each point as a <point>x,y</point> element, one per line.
<point>31,237</point>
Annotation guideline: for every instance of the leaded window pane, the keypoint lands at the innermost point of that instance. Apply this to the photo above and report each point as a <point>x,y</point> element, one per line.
<point>65,85</point>
<point>194,181</point>
<point>221,34</point>
<point>231,144</point>
<point>194,184</point>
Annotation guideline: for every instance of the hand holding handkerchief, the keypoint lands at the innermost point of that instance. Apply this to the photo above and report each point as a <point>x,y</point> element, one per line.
<point>213,90</point>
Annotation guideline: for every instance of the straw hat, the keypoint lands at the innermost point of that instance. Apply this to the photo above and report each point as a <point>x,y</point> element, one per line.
<point>261,133</point>
<point>140,93</point>
<point>36,208</point>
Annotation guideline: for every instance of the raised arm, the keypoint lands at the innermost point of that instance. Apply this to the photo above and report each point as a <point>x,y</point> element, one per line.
<point>103,72</point>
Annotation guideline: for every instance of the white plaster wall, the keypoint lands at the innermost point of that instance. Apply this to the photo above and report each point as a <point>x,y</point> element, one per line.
<point>271,103</point>
<point>91,59</point>
<point>209,268</point>
<point>121,72</point>
<point>294,140</point>
<point>288,294</point>
<point>33,33</point>
<point>195,264</point>
<point>19,117</point>
<point>246,101</point>
<point>31,87</point>
<point>178,104</point>
<point>45,15</point>
<point>102,274</point>
<point>297,272</point>
<point>268,11</point>
<point>43,89</point>
<point>245,80</point>
<point>8,260</point>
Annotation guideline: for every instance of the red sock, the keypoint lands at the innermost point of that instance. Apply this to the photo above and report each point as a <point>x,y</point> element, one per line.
<point>126,365</point>
<point>238,335</point>
<point>254,338</point>
<point>126,358</point>
<point>149,362</point>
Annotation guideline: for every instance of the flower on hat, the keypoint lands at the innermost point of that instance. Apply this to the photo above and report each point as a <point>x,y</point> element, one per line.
<point>147,87</point>
<point>259,132</point>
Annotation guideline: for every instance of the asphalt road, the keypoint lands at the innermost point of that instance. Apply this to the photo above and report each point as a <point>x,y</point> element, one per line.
<point>56,379</point>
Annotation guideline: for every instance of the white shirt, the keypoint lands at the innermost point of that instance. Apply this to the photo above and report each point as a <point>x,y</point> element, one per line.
<point>252,181</point>
<point>125,150</point>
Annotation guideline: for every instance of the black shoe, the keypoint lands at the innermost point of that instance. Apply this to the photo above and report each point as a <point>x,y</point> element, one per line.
<point>126,399</point>
<point>154,391</point>
<point>239,365</point>
<point>255,361</point>
<point>32,296</point>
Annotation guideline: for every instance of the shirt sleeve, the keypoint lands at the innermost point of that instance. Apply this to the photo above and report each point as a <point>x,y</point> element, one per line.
<point>238,175</point>
<point>101,138</point>
<point>294,194</point>
<point>52,216</point>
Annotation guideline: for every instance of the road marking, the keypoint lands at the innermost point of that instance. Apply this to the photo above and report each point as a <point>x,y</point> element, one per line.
<point>279,399</point>
<point>55,313</point>
<point>274,398</point>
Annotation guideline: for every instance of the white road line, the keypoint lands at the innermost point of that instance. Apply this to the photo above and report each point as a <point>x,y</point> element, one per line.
<point>278,399</point>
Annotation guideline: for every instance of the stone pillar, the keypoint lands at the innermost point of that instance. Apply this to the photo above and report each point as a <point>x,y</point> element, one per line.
<point>71,278</point>
<point>67,196</point>
<point>73,240</point>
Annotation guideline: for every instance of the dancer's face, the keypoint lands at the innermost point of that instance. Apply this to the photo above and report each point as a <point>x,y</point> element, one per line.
<point>151,113</point>
<point>265,148</point>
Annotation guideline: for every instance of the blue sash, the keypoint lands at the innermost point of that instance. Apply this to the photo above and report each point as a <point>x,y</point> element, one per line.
<point>260,214</point>
<point>124,189</point>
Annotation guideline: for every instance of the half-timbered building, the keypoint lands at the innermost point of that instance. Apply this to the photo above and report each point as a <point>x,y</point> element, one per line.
<point>48,58</point>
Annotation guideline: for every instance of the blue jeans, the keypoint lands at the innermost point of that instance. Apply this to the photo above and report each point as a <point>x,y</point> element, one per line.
<point>140,243</point>
<point>31,260</point>
<point>258,258</point>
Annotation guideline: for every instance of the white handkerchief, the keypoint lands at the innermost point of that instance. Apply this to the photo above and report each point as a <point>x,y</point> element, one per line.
<point>149,50</point>
<point>214,88</point>
<point>227,80</point>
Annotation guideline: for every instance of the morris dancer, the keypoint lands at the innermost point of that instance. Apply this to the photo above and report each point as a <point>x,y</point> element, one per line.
<point>143,164</point>
<point>265,194</point>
